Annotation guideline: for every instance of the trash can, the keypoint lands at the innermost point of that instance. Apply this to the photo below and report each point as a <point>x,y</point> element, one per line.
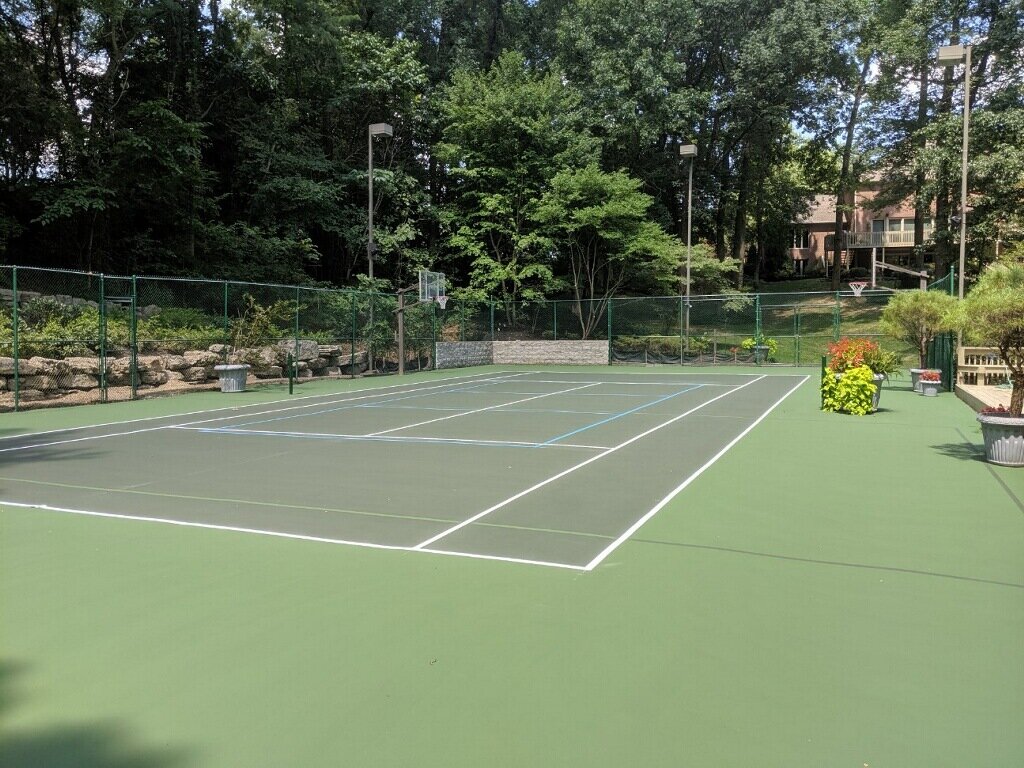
<point>232,377</point>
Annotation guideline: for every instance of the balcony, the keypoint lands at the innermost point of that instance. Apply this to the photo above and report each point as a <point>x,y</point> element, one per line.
<point>894,239</point>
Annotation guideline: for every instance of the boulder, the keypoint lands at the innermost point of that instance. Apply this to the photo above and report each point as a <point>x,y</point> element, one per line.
<point>90,365</point>
<point>270,372</point>
<point>305,349</point>
<point>30,394</point>
<point>119,370</point>
<point>41,383</point>
<point>196,374</point>
<point>48,366</point>
<point>175,363</point>
<point>174,376</point>
<point>3,383</point>
<point>150,363</point>
<point>148,311</point>
<point>153,378</point>
<point>80,381</point>
<point>200,358</point>
<point>332,370</point>
<point>301,366</point>
<point>220,349</point>
<point>304,373</point>
<point>329,350</point>
<point>319,364</point>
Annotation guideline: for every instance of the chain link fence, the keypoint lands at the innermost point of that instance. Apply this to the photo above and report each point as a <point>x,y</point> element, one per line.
<point>73,337</point>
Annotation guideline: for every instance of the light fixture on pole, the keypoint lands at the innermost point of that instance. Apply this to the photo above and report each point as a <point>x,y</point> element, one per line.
<point>376,129</point>
<point>950,56</point>
<point>688,151</point>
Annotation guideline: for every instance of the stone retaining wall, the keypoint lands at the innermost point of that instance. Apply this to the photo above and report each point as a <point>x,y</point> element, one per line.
<point>456,354</point>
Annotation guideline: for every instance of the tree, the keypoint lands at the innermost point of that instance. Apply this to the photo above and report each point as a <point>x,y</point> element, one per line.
<point>597,223</point>
<point>917,317</point>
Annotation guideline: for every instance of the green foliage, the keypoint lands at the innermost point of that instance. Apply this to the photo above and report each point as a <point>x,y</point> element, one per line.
<point>850,392</point>
<point>259,324</point>
<point>993,314</point>
<point>917,317</point>
<point>772,344</point>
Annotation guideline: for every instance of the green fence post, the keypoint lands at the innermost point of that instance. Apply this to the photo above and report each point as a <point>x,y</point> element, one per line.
<point>757,318</point>
<point>102,330</point>
<point>133,341</point>
<point>610,304</point>
<point>352,338</point>
<point>433,334</point>
<point>296,321</point>
<point>952,287</point>
<point>14,329</point>
<point>821,385</point>
<point>682,333</point>
<point>796,333</point>
<point>555,318</point>
<point>491,302</point>
<point>227,332</point>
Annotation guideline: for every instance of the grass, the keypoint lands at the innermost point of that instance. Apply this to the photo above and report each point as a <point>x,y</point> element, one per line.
<point>835,591</point>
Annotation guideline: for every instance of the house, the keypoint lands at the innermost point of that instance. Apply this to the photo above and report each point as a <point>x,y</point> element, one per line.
<point>870,235</point>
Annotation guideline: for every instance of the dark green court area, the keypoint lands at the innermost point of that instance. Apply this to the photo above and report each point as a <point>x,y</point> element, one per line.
<point>654,566</point>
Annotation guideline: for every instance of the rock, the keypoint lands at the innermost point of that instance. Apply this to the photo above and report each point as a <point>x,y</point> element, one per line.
<point>3,383</point>
<point>90,365</point>
<point>270,372</point>
<point>219,349</point>
<point>306,349</point>
<point>150,363</point>
<point>196,374</point>
<point>80,381</point>
<point>41,383</point>
<point>6,366</point>
<point>270,356</point>
<point>304,373</point>
<point>175,363</point>
<point>153,378</point>
<point>319,364</point>
<point>329,350</point>
<point>205,359</point>
<point>148,311</point>
<point>301,366</point>
<point>174,376</point>
<point>48,366</point>
<point>30,394</point>
<point>332,370</point>
<point>119,370</point>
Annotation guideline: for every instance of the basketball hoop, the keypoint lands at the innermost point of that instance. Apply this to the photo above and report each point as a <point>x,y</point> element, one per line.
<point>441,300</point>
<point>858,286</point>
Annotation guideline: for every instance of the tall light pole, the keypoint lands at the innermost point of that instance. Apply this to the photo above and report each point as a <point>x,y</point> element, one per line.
<point>688,151</point>
<point>376,129</point>
<point>949,56</point>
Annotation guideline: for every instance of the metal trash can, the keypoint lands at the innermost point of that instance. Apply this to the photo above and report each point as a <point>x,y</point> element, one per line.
<point>232,377</point>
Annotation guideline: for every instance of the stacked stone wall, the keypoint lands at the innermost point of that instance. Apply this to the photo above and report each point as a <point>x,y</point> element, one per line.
<point>460,354</point>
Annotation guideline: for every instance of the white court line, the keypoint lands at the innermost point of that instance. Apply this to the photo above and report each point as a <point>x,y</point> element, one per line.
<point>679,488</point>
<point>391,438</point>
<point>495,375</point>
<point>634,383</point>
<point>591,460</point>
<point>376,392</point>
<point>478,410</point>
<point>281,534</point>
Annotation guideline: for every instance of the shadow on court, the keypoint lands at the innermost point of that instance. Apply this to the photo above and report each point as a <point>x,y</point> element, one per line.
<point>73,745</point>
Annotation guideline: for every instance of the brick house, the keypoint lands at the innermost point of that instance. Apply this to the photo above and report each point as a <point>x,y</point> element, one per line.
<point>869,234</point>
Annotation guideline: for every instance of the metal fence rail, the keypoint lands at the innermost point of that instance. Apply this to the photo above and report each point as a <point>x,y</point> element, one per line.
<point>71,337</point>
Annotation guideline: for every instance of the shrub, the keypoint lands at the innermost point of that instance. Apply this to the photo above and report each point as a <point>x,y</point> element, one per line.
<point>916,317</point>
<point>772,344</point>
<point>852,393</point>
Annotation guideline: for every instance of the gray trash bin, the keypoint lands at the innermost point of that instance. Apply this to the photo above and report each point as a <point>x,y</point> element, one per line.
<point>232,377</point>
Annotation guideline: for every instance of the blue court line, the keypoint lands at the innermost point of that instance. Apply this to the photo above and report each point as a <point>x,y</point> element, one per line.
<point>496,410</point>
<point>620,415</point>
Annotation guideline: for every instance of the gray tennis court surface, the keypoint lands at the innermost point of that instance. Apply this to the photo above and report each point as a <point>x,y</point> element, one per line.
<point>552,468</point>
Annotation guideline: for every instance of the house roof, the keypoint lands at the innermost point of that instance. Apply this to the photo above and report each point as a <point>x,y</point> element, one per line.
<point>822,210</point>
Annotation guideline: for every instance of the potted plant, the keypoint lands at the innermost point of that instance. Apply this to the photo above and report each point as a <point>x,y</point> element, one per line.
<point>851,353</point>
<point>993,314</point>
<point>764,349</point>
<point>917,317</point>
<point>930,382</point>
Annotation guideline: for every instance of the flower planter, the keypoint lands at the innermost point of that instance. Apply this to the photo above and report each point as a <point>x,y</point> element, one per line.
<point>1004,439</point>
<point>930,388</point>
<point>232,377</point>
<point>879,378</point>
<point>915,377</point>
<point>760,354</point>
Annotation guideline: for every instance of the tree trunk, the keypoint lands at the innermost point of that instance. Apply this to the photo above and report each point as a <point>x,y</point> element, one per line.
<point>739,231</point>
<point>845,182</point>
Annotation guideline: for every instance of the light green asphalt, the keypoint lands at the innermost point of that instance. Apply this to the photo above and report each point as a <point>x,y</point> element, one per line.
<point>835,591</point>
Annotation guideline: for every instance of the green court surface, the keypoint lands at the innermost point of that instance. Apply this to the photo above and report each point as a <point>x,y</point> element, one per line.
<point>511,566</point>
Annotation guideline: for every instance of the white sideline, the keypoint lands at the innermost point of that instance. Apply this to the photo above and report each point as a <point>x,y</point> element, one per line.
<point>679,488</point>
<point>592,459</point>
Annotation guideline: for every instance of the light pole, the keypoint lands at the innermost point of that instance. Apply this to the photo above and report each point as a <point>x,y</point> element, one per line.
<point>376,129</point>
<point>949,56</point>
<point>688,151</point>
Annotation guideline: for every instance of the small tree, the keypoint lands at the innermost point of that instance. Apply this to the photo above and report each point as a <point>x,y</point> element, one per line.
<point>917,317</point>
<point>993,313</point>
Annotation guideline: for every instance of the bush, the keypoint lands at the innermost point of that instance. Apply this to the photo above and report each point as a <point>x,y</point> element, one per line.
<point>772,344</point>
<point>852,393</point>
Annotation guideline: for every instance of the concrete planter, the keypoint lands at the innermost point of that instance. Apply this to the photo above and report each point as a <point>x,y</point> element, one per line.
<point>761,354</point>
<point>915,377</point>
<point>232,377</point>
<point>879,378</point>
<point>1004,439</point>
<point>930,388</point>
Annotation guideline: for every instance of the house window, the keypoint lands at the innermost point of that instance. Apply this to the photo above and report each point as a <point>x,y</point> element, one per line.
<point>801,238</point>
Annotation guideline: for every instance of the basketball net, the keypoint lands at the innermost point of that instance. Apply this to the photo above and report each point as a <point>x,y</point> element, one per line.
<point>857,287</point>
<point>441,300</point>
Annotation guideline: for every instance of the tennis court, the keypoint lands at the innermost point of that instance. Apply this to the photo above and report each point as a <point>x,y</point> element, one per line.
<point>768,584</point>
<point>549,468</point>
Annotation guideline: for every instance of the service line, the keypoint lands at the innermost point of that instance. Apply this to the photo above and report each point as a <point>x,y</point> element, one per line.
<point>591,460</point>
